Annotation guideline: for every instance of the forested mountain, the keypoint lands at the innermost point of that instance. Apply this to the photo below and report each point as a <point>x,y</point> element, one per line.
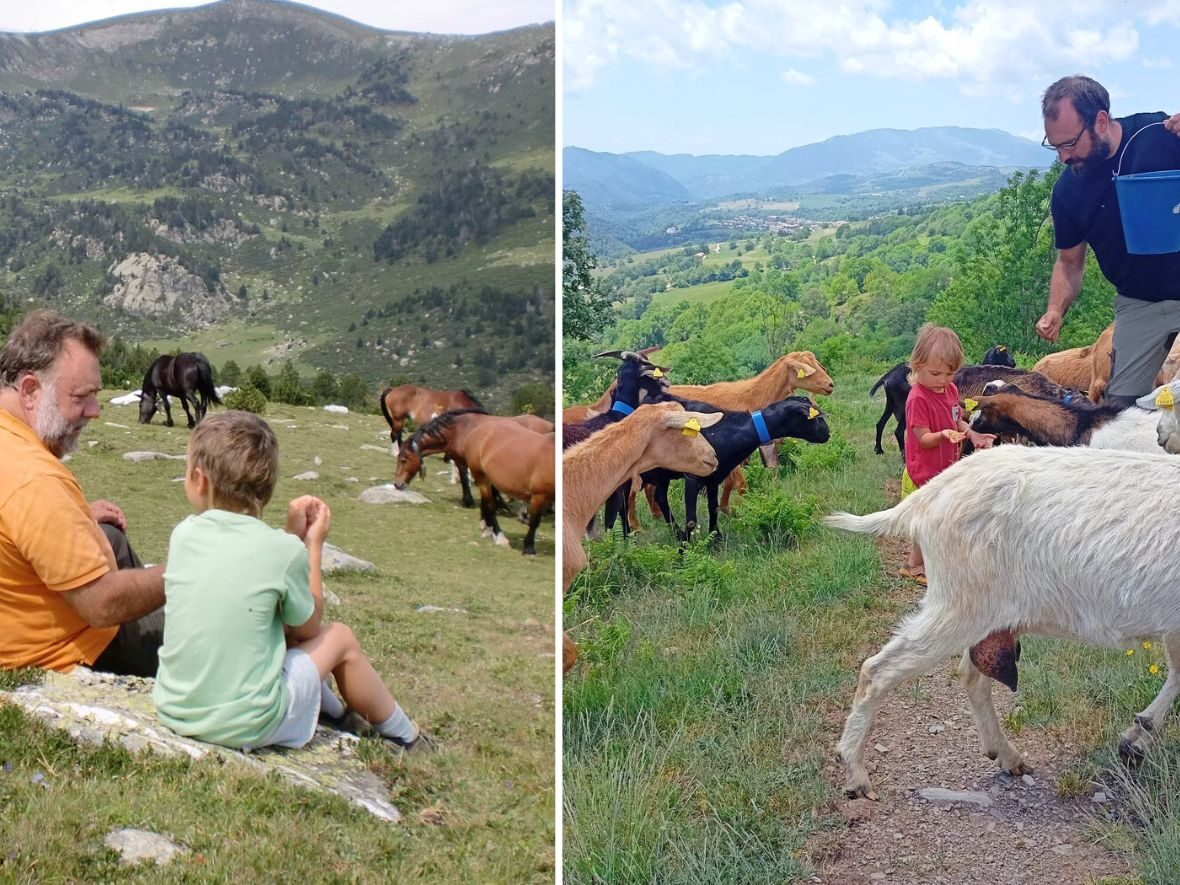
<point>279,182</point>
<point>868,153</point>
<point>855,296</point>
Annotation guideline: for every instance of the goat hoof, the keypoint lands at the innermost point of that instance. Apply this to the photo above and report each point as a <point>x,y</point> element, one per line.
<point>992,755</point>
<point>878,451</point>
<point>1130,752</point>
<point>861,791</point>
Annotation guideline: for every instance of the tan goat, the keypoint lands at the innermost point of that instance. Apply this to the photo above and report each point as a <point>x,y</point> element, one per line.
<point>657,435</point>
<point>1088,368</point>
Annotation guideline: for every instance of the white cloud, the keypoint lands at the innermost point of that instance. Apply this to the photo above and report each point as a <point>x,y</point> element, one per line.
<point>987,46</point>
<point>797,78</point>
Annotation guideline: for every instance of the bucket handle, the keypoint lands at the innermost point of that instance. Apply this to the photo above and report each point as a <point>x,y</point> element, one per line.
<point>1129,140</point>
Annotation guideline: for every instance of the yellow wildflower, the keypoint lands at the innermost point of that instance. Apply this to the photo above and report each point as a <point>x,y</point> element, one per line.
<point>1130,652</point>
<point>1153,669</point>
<point>1147,643</point>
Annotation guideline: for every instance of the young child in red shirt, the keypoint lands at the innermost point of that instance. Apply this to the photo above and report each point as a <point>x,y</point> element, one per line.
<point>934,424</point>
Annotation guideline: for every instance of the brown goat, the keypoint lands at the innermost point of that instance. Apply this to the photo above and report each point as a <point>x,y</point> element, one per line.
<point>1088,368</point>
<point>652,436</point>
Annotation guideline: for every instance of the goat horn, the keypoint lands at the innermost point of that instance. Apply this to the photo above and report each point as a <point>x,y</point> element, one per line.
<point>617,354</point>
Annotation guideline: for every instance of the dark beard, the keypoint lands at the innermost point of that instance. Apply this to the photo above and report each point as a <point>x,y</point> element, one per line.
<point>1096,162</point>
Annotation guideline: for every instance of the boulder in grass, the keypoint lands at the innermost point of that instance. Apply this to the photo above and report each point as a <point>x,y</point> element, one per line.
<point>150,456</point>
<point>387,494</point>
<point>89,705</point>
<point>336,560</point>
<point>134,846</point>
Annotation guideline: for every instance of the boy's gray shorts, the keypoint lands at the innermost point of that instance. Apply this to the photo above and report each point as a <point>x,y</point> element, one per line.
<point>1143,332</point>
<point>301,678</point>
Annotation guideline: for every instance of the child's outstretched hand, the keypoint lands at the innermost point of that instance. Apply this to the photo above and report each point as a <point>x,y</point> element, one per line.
<point>954,436</point>
<point>319,520</point>
<point>308,518</point>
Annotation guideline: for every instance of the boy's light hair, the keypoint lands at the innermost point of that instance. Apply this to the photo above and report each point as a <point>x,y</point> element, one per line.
<point>238,453</point>
<point>937,345</point>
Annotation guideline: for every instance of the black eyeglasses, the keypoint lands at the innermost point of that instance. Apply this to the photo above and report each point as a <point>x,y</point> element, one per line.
<point>1065,145</point>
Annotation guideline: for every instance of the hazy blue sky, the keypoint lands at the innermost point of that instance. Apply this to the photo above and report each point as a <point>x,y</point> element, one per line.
<point>437,16</point>
<point>761,76</point>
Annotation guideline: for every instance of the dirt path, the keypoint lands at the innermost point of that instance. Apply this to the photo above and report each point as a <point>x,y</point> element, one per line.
<point>1013,830</point>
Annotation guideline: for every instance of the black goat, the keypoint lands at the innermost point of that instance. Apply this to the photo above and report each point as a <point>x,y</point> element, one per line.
<point>897,390</point>
<point>638,378</point>
<point>734,438</point>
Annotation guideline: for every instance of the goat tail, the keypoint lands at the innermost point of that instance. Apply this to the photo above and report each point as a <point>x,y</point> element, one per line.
<point>880,381</point>
<point>884,522</point>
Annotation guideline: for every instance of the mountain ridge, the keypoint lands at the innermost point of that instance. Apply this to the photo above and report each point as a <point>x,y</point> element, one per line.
<point>350,198</point>
<point>873,151</point>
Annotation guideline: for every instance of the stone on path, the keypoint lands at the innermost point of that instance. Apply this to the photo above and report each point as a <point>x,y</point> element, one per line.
<point>93,707</point>
<point>136,845</point>
<point>310,474</point>
<point>436,608</point>
<point>387,494</point>
<point>336,560</point>
<point>940,794</point>
<point>150,456</point>
<point>373,448</point>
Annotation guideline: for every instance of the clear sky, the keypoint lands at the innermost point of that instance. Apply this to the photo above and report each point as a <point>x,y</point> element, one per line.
<point>761,76</point>
<point>436,16</point>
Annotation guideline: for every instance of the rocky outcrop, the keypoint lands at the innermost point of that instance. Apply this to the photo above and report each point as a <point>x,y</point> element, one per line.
<point>160,286</point>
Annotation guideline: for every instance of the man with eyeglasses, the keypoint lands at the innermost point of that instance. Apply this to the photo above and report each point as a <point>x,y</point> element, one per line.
<point>1078,126</point>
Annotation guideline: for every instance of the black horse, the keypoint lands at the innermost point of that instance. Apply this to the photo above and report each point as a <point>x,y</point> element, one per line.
<point>187,376</point>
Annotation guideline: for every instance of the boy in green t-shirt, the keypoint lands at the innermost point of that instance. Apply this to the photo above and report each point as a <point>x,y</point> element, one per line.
<point>232,584</point>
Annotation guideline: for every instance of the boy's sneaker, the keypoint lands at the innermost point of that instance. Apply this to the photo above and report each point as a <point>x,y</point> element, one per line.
<point>422,740</point>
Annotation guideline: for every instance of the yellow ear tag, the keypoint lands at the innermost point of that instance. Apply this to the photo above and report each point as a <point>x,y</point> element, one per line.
<point>970,405</point>
<point>656,373</point>
<point>692,427</point>
<point>813,412</point>
<point>802,374</point>
<point>1165,400</point>
<point>1001,348</point>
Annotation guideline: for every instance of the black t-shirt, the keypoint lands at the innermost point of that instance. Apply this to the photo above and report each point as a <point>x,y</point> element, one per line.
<point>1086,209</point>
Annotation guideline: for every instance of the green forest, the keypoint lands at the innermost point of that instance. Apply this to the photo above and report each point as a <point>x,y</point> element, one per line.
<point>855,297</point>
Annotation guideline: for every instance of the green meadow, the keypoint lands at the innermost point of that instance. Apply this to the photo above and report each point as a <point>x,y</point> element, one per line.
<point>480,810</point>
<point>699,725</point>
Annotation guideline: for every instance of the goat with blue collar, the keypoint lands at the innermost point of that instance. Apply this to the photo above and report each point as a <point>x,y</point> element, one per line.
<point>734,438</point>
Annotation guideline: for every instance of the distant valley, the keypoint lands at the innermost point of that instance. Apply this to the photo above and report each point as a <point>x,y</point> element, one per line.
<point>266,182</point>
<point>644,200</point>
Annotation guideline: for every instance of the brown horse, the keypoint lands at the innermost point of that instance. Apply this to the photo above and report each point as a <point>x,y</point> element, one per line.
<point>403,473</point>
<point>421,404</point>
<point>501,454</point>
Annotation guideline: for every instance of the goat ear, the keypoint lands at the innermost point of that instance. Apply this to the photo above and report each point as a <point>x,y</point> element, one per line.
<point>680,419</point>
<point>801,370</point>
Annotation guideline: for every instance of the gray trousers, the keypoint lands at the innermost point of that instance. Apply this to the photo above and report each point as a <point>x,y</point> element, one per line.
<point>135,650</point>
<point>1143,334</point>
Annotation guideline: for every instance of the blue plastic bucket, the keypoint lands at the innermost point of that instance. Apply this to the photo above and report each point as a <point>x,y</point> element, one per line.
<point>1149,203</point>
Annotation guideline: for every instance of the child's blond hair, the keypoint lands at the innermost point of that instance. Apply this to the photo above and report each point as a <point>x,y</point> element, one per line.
<point>937,345</point>
<point>238,453</point>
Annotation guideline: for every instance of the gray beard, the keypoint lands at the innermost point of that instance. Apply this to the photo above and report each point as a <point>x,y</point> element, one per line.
<point>55,432</point>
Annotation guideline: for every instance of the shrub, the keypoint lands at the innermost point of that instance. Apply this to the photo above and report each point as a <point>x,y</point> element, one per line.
<point>248,398</point>
<point>805,457</point>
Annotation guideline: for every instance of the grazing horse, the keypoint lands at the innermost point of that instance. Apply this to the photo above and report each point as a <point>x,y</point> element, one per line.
<point>187,376</point>
<point>502,455</point>
<point>422,404</point>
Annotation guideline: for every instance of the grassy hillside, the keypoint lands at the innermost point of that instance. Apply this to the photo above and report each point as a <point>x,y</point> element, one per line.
<point>376,202</point>
<point>481,810</point>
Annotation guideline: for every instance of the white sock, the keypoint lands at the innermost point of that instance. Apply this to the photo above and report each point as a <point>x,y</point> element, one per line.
<point>397,726</point>
<point>330,705</point>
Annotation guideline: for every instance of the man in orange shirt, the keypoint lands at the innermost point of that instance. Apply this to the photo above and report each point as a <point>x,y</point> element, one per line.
<point>65,597</point>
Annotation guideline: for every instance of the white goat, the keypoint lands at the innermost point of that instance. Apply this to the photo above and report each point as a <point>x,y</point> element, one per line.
<point>1063,542</point>
<point>1163,400</point>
